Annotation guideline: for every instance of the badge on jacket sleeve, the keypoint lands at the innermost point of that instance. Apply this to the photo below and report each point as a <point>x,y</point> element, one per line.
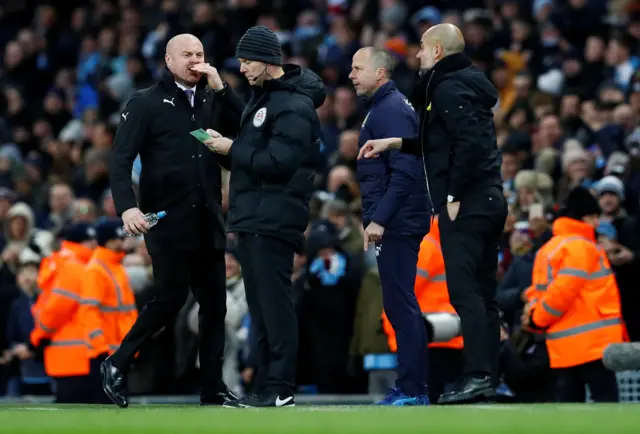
<point>260,116</point>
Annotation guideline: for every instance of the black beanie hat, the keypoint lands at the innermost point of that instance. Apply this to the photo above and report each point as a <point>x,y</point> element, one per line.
<point>261,44</point>
<point>581,203</point>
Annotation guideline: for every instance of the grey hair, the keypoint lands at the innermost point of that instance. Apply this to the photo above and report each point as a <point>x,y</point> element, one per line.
<point>382,59</point>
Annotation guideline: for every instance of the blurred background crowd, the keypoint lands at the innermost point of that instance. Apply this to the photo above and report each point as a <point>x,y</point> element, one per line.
<point>568,76</point>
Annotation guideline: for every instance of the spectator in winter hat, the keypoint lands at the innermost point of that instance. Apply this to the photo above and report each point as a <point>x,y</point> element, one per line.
<point>109,229</point>
<point>619,165</point>
<point>78,233</point>
<point>532,187</point>
<point>20,233</point>
<point>547,161</point>
<point>610,192</point>
<point>576,168</point>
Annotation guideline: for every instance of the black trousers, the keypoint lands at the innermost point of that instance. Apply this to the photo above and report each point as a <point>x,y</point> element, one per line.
<point>174,273</point>
<point>470,249</point>
<point>571,382</point>
<point>445,367</point>
<point>267,264</point>
<point>73,390</point>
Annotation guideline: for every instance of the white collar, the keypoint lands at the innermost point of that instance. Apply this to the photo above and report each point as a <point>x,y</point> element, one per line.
<point>183,87</point>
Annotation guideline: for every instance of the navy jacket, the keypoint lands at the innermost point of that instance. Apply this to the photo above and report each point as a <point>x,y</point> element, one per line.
<point>19,327</point>
<point>393,186</point>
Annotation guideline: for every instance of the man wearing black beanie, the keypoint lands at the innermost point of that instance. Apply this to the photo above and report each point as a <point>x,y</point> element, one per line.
<point>273,162</point>
<point>577,303</point>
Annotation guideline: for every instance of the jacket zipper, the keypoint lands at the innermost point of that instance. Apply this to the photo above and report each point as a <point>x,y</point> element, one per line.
<point>424,162</point>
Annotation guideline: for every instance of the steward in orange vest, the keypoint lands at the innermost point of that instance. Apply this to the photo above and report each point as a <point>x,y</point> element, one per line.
<point>577,303</point>
<point>109,305</point>
<point>445,358</point>
<point>59,329</point>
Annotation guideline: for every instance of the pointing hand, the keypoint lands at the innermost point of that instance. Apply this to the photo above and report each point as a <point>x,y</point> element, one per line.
<point>372,148</point>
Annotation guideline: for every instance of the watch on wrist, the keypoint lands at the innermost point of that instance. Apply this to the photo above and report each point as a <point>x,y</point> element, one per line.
<point>451,199</point>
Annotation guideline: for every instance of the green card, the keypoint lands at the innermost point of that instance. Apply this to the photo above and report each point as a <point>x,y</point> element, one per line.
<point>201,135</point>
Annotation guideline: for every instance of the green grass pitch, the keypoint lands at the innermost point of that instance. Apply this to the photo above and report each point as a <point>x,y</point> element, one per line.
<point>157,419</point>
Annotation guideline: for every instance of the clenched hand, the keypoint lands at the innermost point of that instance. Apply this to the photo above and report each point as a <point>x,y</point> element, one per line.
<point>372,234</point>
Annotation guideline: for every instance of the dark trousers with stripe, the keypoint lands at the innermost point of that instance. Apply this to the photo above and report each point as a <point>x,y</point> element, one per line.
<point>397,260</point>
<point>571,382</point>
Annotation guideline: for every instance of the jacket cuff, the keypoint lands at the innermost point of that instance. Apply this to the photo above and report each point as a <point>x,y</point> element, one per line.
<point>126,203</point>
<point>381,216</point>
<point>240,156</point>
<point>410,145</point>
<point>224,91</point>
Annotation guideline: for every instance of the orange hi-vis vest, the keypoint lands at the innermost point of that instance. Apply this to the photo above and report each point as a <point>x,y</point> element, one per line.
<point>109,305</point>
<point>430,288</point>
<point>539,275</point>
<point>49,267</point>
<point>57,317</point>
<point>578,302</point>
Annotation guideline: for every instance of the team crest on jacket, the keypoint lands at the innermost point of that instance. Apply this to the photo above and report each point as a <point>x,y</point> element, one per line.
<point>260,116</point>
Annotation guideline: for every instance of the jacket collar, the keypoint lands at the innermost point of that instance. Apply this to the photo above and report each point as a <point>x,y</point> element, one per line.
<point>569,226</point>
<point>79,252</point>
<point>380,93</point>
<point>423,92</point>
<point>169,82</point>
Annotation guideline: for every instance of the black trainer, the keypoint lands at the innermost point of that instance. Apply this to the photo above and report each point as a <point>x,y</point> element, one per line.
<point>262,401</point>
<point>218,398</point>
<point>236,403</point>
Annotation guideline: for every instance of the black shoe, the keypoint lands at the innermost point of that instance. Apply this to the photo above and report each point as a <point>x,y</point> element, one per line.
<point>469,391</point>
<point>217,398</point>
<point>113,384</point>
<point>263,400</point>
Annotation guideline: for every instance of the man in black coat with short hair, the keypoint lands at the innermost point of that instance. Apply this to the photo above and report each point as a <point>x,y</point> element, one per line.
<point>273,163</point>
<point>458,142</point>
<point>180,176</point>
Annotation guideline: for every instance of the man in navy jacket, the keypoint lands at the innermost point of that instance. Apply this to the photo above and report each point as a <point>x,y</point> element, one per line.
<point>395,215</point>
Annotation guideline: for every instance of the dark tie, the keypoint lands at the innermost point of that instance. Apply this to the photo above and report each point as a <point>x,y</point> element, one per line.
<point>189,93</point>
